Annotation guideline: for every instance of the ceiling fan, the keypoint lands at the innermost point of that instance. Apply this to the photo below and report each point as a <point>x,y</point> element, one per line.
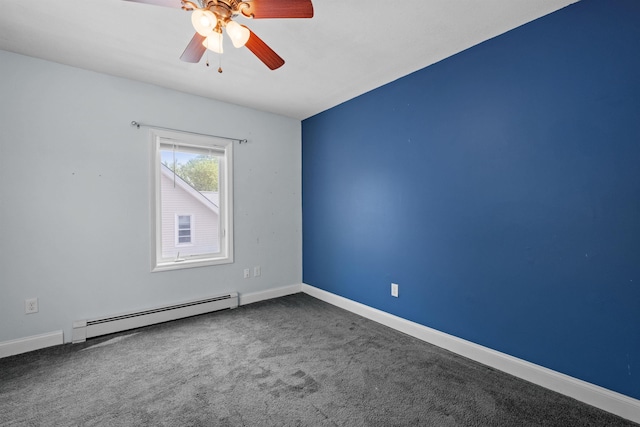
<point>210,17</point>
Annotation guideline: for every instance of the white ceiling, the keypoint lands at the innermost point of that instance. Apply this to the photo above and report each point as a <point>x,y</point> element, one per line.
<point>349,47</point>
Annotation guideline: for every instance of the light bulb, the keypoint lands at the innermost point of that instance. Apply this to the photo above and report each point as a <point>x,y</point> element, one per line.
<point>213,42</point>
<point>239,34</point>
<point>204,21</point>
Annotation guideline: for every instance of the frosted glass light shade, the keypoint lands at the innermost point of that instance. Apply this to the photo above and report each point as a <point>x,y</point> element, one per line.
<point>239,34</point>
<point>214,42</point>
<point>204,21</point>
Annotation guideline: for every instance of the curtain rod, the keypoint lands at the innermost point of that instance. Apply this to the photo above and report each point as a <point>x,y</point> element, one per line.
<point>139,125</point>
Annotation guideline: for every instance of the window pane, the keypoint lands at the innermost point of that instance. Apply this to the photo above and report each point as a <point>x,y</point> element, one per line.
<point>189,193</point>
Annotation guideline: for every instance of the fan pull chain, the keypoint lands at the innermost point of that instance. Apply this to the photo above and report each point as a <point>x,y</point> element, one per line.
<point>219,60</point>
<point>220,57</point>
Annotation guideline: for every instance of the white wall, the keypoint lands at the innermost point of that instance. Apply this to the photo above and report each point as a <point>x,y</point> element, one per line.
<point>74,194</point>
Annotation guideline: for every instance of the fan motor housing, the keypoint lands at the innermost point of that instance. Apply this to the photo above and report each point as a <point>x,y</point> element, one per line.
<point>225,9</point>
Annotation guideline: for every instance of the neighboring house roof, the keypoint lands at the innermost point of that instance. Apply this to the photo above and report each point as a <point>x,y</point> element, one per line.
<point>214,196</point>
<point>206,201</point>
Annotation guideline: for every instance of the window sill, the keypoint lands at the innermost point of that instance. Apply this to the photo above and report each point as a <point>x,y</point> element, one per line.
<point>192,263</point>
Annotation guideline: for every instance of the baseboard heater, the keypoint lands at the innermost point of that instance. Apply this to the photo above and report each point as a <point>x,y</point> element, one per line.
<point>83,329</point>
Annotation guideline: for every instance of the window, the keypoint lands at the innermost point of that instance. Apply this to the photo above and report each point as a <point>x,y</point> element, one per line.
<point>183,229</point>
<point>192,200</point>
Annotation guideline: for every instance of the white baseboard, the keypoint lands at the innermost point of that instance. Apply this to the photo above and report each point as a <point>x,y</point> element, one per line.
<point>600,397</point>
<point>36,342</point>
<point>269,294</point>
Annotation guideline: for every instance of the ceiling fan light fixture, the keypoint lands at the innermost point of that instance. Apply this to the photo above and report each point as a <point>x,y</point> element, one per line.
<point>214,42</point>
<point>208,18</point>
<point>239,34</point>
<point>204,21</point>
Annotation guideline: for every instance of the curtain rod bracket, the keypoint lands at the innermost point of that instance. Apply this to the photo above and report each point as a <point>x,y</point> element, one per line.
<point>138,125</point>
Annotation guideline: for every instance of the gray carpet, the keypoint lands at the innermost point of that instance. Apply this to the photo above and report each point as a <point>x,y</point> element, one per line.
<point>291,361</point>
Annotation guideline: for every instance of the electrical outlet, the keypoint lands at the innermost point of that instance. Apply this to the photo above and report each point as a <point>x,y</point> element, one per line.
<point>394,290</point>
<point>247,273</point>
<point>256,271</point>
<point>31,305</point>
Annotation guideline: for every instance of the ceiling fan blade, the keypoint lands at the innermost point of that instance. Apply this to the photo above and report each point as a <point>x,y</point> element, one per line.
<point>262,9</point>
<point>195,49</point>
<point>167,3</point>
<point>263,52</point>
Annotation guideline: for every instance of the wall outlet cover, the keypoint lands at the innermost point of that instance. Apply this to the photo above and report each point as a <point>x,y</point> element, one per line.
<point>31,305</point>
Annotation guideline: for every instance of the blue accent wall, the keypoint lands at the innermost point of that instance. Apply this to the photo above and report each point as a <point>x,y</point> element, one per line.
<point>500,188</point>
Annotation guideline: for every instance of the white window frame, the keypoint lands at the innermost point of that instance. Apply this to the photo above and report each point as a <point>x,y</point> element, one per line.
<point>224,149</point>
<point>191,230</point>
